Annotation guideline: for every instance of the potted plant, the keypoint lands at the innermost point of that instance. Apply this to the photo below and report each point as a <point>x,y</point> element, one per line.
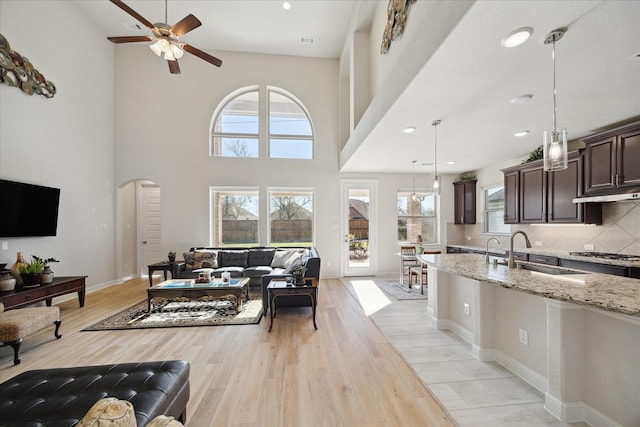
<point>47,273</point>
<point>172,256</point>
<point>298,274</point>
<point>31,273</point>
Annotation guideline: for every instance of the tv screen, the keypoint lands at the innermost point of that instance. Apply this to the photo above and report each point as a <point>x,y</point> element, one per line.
<point>28,210</point>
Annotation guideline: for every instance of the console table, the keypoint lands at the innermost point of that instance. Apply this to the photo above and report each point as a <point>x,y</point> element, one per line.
<point>21,297</point>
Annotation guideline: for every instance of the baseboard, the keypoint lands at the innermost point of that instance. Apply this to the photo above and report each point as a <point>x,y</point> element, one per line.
<point>577,412</point>
<point>483,354</point>
<point>455,328</point>
<point>539,382</point>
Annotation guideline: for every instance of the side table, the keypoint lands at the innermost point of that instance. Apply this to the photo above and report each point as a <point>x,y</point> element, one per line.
<point>173,267</point>
<point>278,288</point>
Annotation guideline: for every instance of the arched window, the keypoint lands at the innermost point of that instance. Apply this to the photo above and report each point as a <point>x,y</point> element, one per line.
<point>235,130</point>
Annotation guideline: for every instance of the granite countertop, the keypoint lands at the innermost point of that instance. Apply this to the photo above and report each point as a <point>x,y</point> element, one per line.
<point>553,252</point>
<point>604,291</point>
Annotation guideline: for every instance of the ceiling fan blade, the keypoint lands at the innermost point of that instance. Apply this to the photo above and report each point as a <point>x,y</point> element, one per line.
<point>133,13</point>
<point>130,39</point>
<point>187,24</point>
<point>174,68</point>
<point>202,55</point>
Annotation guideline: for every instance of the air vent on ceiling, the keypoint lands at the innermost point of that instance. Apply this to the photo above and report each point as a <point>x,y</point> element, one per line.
<point>307,40</point>
<point>132,26</point>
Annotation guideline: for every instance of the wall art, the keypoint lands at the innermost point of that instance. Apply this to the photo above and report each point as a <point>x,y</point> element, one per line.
<point>397,11</point>
<point>17,71</point>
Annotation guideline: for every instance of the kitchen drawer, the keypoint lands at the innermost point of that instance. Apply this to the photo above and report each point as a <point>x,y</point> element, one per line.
<point>543,259</point>
<point>617,270</point>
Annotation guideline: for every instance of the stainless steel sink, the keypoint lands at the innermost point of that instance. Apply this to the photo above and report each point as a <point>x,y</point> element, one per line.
<point>548,269</point>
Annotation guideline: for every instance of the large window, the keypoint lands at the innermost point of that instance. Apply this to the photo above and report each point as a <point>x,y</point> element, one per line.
<point>236,130</point>
<point>290,135</point>
<point>290,217</point>
<point>235,215</point>
<point>494,210</point>
<point>417,217</point>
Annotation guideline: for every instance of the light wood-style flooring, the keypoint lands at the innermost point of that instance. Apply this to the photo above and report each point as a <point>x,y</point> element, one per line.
<point>344,374</point>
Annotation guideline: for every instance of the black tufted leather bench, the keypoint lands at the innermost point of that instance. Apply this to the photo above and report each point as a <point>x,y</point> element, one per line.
<point>61,397</point>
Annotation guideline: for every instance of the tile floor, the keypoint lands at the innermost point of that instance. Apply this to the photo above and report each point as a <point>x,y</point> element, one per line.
<point>474,393</point>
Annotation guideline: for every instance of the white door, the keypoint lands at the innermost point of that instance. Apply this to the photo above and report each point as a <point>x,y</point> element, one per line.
<point>359,223</point>
<point>149,225</point>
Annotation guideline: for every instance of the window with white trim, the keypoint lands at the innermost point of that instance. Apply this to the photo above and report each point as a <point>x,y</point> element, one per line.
<point>236,131</point>
<point>290,217</point>
<point>494,210</point>
<point>235,214</point>
<point>417,217</point>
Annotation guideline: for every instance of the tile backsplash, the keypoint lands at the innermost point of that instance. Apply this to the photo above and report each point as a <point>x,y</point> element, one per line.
<point>619,233</point>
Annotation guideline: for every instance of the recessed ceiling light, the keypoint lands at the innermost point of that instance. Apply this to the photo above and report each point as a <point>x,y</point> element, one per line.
<point>409,129</point>
<point>517,37</point>
<point>521,133</point>
<point>286,5</point>
<point>451,162</point>
<point>522,99</point>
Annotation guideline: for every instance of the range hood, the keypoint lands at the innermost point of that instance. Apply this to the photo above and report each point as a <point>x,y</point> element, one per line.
<point>608,198</point>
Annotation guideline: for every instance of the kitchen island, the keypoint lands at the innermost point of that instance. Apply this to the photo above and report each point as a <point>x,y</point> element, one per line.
<point>575,337</point>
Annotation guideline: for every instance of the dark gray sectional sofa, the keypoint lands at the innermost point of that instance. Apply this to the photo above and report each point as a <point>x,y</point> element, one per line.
<point>251,262</point>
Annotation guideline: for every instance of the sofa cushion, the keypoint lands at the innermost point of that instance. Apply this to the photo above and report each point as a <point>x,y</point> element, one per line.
<point>231,258</point>
<point>260,257</point>
<point>109,412</point>
<point>257,271</point>
<point>235,271</point>
<point>293,259</point>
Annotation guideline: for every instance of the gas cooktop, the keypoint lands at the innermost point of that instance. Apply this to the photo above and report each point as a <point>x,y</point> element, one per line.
<point>605,255</point>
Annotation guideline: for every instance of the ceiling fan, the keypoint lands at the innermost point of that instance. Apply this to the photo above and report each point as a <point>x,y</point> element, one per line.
<point>166,38</point>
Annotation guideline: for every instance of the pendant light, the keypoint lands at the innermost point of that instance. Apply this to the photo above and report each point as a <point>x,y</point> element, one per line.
<point>436,179</point>
<point>555,142</point>
<point>414,196</point>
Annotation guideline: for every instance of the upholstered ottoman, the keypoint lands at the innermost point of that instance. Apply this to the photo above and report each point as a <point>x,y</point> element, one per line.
<point>61,397</point>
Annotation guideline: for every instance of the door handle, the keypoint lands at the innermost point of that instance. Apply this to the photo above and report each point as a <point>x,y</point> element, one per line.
<point>144,242</point>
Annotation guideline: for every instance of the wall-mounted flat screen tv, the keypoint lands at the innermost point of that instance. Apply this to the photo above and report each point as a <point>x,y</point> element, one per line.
<point>28,210</point>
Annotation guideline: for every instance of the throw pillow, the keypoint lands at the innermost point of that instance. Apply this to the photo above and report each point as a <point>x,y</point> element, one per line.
<point>109,412</point>
<point>280,258</point>
<point>293,258</point>
<point>164,421</point>
<point>204,258</point>
<point>188,259</point>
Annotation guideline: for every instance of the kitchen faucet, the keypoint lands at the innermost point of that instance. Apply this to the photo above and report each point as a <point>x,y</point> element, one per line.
<point>486,253</point>
<point>512,263</point>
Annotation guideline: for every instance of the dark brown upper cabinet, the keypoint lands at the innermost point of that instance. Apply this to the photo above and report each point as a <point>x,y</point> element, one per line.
<point>511,197</point>
<point>465,202</point>
<point>611,160</point>
<point>533,196</point>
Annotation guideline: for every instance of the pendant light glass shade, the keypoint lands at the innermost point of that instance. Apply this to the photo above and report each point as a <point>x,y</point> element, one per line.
<point>554,147</point>
<point>414,196</point>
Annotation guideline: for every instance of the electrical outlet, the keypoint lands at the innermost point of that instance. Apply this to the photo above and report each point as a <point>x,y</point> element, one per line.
<point>468,237</point>
<point>5,245</point>
<point>537,243</point>
<point>524,337</point>
<point>466,309</point>
<point>588,247</point>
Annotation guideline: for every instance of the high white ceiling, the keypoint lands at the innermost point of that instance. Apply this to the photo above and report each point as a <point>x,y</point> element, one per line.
<point>468,82</point>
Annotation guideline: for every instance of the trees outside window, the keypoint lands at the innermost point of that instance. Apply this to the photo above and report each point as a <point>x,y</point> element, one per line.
<point>235,217</point>
<point>290,218</point>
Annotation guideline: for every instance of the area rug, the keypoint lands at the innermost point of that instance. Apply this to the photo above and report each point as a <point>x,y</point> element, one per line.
<point>391,288</point>
<point>181,312</point>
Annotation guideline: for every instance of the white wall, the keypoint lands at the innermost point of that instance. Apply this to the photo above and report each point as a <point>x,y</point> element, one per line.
<point>65,141</point>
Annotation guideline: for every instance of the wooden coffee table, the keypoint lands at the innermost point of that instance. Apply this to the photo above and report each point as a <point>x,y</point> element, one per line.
<point>188,288</point>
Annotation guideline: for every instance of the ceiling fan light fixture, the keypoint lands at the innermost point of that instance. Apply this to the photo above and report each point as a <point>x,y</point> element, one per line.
<point>155,47</point>
<point>176,51</point>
